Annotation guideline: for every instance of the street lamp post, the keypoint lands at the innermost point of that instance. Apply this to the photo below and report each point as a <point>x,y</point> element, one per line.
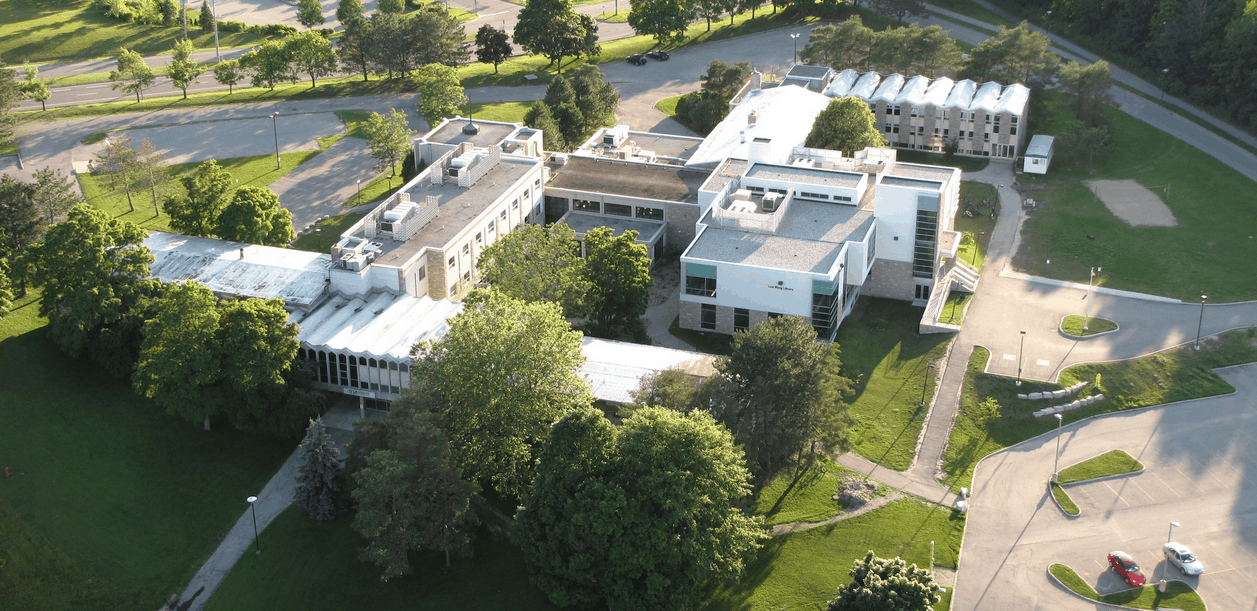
<point>795,38</point>
<point>1173,525</point>
<point>931,556</point>
<point>275,127</point>
<point>1086,319</point>
<point>1020,354</point>
<point>359,190</point>
<point>926,384</point>
<point>253,506</point>
<point>1200,322</point>
<point>1165,72</point>
<point>214,6</point>
<point>1057,463</point>
<point>318,238</point>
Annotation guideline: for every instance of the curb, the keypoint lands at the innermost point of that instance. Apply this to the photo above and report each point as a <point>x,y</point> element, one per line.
<point>1111,605</point>
<point>1072,516</point>
<point>1061,328</point>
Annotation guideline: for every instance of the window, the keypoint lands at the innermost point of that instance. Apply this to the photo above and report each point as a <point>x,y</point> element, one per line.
<point>467,276</point>
<point>586,205</point>
<point>889,110</point>
<point>946,115</point>
<point>970,133</point>
<point>936,130</point>
<point>454,289</point>
<point>922,291</point>
<point>423,272</point>
<point>502,216</point>
<point>1012,131</point>
<point>842,198</point>
<point>888,128</point>
<point>986,136</point>
<point>894,128</point>
<point>781,191</point>
<point>741,319</point>
<point>988,117</point>
<point>451,262</point>
<point>708,318</point>
<point>466,249</point>
<point>995,128</point>
<point>807,195</point>
<point>1014,120</point>
<point>619,209</point>
<point>916,112</point>
<point>654,214</point>
<point>479,238</point>
<point>515,204</point>
<point>703,287</point>
<point>774,315</point>
<point>491,223</point>
<point>755,189</point>
<point>537,183</point>
<point>896,107</point>
<point>945,130</point>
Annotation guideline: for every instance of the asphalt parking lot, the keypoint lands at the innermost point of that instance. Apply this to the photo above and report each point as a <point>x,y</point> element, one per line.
<point>239,137</point>
<point>1199,471</point>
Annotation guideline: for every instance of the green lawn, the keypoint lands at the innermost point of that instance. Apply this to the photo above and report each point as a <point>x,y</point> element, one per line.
<point>113,504</point>
<point>256,171</point>
<point>1114,462</point>
<point>1205,254</point>
<point>332,228</point>
<point>1081,326</point>
<point>979,226</point>
<point>1173,375</point>
<point>508,112</point>
<point>966,164</point>
<point>802,497</point>
<point>1178,595</point>
<point>1064,499</point>
<point>668,106</point>
<point>613,17</point>
<point>74,30</point>
<point>887,359</point>
<point>803,570</point>
<point>953,312</point>
<point>969,8</point>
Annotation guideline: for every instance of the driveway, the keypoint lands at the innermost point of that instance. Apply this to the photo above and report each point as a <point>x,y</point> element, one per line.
<point>1199,471</point>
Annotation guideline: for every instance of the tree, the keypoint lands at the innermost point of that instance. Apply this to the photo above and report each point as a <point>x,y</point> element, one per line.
<point>34,89</point>
<point>437,36</point>
<point>132,75</point>
<point>899,8</point>
<point>310,12</point>
<point>620,272</point>
<point>21,224</point>
<point>886,583</point>
<point>169,12</point>
<point>725,80</point>
<point>255,216</point>
<point>228,72</point>
<point>1014,55</point>
<point>355,47</point>
<point>349,11</point>
<point>388,138</point>
<point>934,52</point>
<point>183,71</point>
<point>150,169</point>
<point>54,195</point>
<point>392,7</point>
<point>1076,142</point>
<point>312,53</point>
<point>595,97</point>
<point>540,117</point>
<point>845,45</point>
<point>269,64</point>
<point>1090,86</point>
<point>258,346</point>
<point>638,517</point>
<point>440,93</point>
<point>845,125</point>
<point>388,44</point>
<point>551,28</point>
<point>196,213</point>
<point>504,372</point>
<point>120,163</point>
<point>783,394</point>
<point>664,20</point>
<point>179,365</point>
<point>6,295</point>
<point>535,263</point>
<point>207,17</point>
<point>493,46</point>
<point>672,388</point>
<point>318,482</point>
<point>10,96</point>
<point>713,9</point>
<point>411,496</point>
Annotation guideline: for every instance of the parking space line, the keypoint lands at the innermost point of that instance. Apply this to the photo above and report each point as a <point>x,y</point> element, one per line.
<point>1116,494</point>
<point>1043,363</point>
<point>1010,357</point>
<point>1151,499</point>
<point>1169,487</point>
<point>1225,590</point>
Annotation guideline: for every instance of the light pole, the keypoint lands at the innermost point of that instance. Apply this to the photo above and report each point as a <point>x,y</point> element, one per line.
<point>795,39</point>
<point>318,238</point>
<point>275,127</point>
<point>1087,317</point>
<point>1165,72</point>
<point>1057,463</point>
<point>1173,525</point>
<point>1200,322</point>
<point>931,556</point>
<point>1021,354</point>
<point>926,383</point>
<point>253,506</point>
<point>214,6</point>
<point>359,191</point>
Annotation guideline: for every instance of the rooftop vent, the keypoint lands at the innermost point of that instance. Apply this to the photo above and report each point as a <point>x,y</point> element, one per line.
<point>471,128</point>
<point>752,118</point>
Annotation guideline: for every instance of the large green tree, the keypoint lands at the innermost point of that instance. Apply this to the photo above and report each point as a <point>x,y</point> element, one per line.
<point>229,72</point>
<point>310,12</point>
<point>441,93</point>
<point>258,346</point>
<point>21,223</point>
<point>355,50</point>
<point>388,137</point>
<point>539,117</point>
<point>846,44</point>
<point>1090,85</point>
<point>54,195</point>
<point>120,164</point>
<point>505,371</point>
<point>132,74</point>
<point>493,46</point>
<point>886,584</point>
<point>673,388</point>
<point>183,70</point>
<point>438,36</point>
<point>254,215</point>
<point>1013,55</point>
<point>269,64</point>
<point>196,213</point>
<point>311,53</point>
<point>782,394</point>
<point>636,517</point>
<point>180,364</point>
<point>535,263</point>
<point>551,28</point>
<point>10,96</point>
<point>318,479</point>
<point>349,11</point>
<point>899,8</point>
<point>664,20</point>
<point>845,125</point>
<point>619,271</point>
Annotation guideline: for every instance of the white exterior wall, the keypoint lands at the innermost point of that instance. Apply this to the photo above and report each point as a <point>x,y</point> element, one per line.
<point>831,191</point>
<point>896,215</point>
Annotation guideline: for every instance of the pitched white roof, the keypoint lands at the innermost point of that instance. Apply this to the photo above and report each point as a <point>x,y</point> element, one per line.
<point>842,83</point>
<point>1040,146</point>
<point>939,89</point>
<point>987,97</point>
<point>785,117</point>
<point>940,93</point>
<point>1014,99</point>
<point>613,369</point>
<point>889,89</point>
<point>961,94</point>
<point>382,325</point>
<point>913,92</point>
<point>236,268</point>
<point>866,85</point>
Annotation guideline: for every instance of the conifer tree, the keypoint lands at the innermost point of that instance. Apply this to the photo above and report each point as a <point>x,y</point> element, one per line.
<point>318,485</point>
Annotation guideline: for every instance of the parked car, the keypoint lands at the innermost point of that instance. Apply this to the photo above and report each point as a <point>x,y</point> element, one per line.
<point>637,59</point>
<point>1183,558</point>
<point>661,56</point>
<point>1126,567</point>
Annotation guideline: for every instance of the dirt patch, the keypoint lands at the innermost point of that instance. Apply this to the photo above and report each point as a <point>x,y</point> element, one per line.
<point>854,492</point>
<point>667,276</point>
<point>1133,203</point>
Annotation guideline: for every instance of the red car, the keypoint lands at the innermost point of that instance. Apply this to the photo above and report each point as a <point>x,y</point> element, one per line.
<point>1126,567</point>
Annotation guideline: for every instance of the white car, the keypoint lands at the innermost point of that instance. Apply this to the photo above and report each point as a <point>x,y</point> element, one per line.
<point>1183,558</point>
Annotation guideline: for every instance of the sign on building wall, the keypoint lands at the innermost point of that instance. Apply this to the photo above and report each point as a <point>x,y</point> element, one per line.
<point>358,393</point>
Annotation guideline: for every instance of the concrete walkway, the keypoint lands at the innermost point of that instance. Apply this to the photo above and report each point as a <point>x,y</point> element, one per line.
<point>320,186</point>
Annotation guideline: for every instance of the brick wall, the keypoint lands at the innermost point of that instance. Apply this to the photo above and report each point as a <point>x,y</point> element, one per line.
<point>890,279</point>
<point>681,219</point>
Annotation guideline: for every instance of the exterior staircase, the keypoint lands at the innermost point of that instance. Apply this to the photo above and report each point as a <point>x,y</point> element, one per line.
<point>963,277</point>
<point>959,276</point>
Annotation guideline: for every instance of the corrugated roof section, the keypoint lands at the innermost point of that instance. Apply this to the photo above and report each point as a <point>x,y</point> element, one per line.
<point>236,268</point>
<point>1014,99</point>
<point>936,94</point>
<point>614,369</point>
<point>889,89</point>
<point>842,83</point>
<point>381,325</point>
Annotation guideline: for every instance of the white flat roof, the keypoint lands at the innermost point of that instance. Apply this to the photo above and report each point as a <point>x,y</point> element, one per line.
<point>382,325</point>
<point>236,268</point>
<point>613,369</point>
<point>1040,146</point>
<point>785,117</point>
<point>1013,99</point>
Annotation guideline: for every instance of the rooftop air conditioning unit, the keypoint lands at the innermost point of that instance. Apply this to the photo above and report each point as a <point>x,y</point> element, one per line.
<point>771,201</point>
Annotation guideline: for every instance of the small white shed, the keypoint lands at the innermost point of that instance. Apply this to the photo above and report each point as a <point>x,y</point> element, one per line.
<point>1039,154</point>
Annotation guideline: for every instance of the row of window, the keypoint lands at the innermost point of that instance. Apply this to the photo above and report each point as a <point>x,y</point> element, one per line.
<point>642,212</point>
<point>357,371</point>
<point>940,113</point>
<point>741,318</point>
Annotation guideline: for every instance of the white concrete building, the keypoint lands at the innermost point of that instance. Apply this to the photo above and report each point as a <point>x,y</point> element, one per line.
<point>1039,154</point>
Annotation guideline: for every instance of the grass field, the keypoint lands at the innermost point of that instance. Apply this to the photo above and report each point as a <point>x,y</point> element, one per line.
<point>1209,252</point>
<point>1081,326</point>
<point>888,361</point>
<point>1164,377</point>
<point>1067,504</point>
<point>75,30</point>
<point>258,171</point>
<point>1115,462</point>
<point>953,312</point>
<point>969,8</point>
<point>1178,595</point>
<point>979,226</point>
<point>966,164</point>
<point>113,504</point>
<point>802,497</point>
<point>668,106</point>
